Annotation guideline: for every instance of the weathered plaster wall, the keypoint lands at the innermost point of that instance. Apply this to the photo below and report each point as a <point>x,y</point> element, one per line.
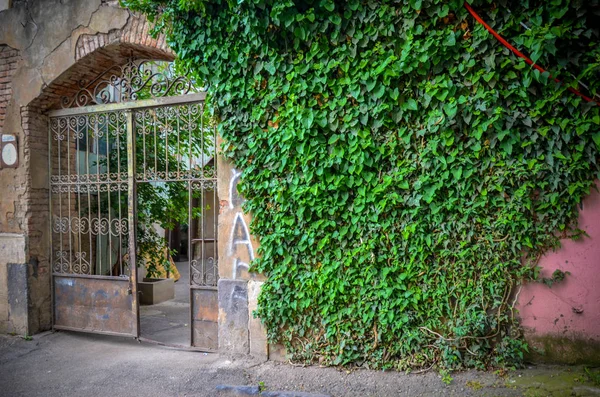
<point>5,4</point>
<point>46,48</point>
<point>11,193</point>
<point>239,331</point>
<point>563,322</point>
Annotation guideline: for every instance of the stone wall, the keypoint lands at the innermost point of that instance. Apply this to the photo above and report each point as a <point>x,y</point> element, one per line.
<point>239,331</point>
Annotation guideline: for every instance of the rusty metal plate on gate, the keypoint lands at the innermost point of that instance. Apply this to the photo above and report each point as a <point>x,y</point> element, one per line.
<point>205,313</point>
<point>99,305</point>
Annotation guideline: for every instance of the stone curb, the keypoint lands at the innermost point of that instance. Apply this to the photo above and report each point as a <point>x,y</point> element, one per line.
<point>229,390</point>
<point>291,394</point>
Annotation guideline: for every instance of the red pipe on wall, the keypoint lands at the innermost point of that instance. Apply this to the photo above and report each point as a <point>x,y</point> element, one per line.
<point>519,53</point>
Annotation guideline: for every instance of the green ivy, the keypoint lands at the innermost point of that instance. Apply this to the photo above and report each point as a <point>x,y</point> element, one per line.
<point>404,170</point>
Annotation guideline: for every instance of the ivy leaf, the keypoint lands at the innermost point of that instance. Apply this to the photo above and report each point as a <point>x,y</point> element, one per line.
<point>450,109</point>
<point>596,138</point>
<point>258,66</point>
<point>429,193</point>
<point>410,104</point>
<point>269,67</point>
<point>328,4</point>
<point>457,172</point>
<point>450,40</point>
<point>370,85</point>
<point>307,120</point>
<point>335,19</point>
<point>379,91</point>
<point>415,4</point>
<point>355,91</point>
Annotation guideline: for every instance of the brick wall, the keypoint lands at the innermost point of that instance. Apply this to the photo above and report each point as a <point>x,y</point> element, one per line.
<point>35,154</point>
<point>8,67</point>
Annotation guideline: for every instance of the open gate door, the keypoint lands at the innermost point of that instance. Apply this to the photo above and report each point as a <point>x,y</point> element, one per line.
<point>175,157</point>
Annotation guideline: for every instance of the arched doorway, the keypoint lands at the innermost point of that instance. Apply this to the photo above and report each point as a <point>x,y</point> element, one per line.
<point>132,153</point>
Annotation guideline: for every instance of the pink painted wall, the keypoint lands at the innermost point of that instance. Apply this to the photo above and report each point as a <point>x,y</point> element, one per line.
<point>571,308</point>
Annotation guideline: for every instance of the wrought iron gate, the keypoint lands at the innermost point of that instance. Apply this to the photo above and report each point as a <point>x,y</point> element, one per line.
<point>134,133</point>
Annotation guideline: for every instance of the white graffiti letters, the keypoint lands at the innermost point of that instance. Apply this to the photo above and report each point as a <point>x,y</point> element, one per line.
<point>240,244</point>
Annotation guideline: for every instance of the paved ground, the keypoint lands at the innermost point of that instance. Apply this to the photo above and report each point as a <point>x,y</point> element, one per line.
<point>168,322</point>
<point>70,364</point>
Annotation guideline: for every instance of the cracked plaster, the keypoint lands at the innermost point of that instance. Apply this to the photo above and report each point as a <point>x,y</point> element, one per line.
<point>107,18</point>
<point>17,29</point>
<point>47,55</point>
<point>58,23</point>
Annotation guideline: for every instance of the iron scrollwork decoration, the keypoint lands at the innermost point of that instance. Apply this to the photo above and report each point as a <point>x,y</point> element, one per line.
<point>204,272</point>
<point>131,82</point>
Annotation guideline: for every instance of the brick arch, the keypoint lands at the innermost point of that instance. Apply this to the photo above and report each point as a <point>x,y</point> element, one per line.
<point>95,53</point>
<point>135,33</point>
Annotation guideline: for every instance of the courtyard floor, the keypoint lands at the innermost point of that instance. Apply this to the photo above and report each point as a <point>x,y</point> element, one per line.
<point>168,322</point>
<point>71,364</point>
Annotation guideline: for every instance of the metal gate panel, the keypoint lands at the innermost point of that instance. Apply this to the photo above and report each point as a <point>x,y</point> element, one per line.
<point>90,189</point>
<point>205,312</point>
<point>99,305</point>
<point>119,131</point>
<point>177,149</point>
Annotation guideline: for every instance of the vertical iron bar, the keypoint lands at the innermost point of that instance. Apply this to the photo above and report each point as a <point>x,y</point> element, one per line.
<point>69,195</point>
<point>78,188</point>
<point>88,142</point>
<point>60,234</point>
<point>202,193</point>
<point>166,178</point>
<point>144,112</point>
<point>178,155</point>
<point>190,227</point>
<point>131,217</point>
<point>99,194</point>
<point>119,226</point>
<point>109,193</point>
<point>51,235</point>
<point>166,129</point>
<point>108,190</point>
<point>155,144</point>
<point>216,208</point>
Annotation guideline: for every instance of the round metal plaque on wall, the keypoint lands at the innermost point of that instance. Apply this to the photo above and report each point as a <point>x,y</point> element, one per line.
<point>9,151</point>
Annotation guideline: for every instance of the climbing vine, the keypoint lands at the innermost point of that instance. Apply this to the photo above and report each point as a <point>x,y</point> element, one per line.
<point>405,171</point>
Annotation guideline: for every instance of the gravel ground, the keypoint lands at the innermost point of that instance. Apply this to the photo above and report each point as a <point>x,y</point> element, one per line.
<point>71,364</point>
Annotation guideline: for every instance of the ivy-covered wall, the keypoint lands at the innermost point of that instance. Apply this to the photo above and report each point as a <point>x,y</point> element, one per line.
<point>404,170</point>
